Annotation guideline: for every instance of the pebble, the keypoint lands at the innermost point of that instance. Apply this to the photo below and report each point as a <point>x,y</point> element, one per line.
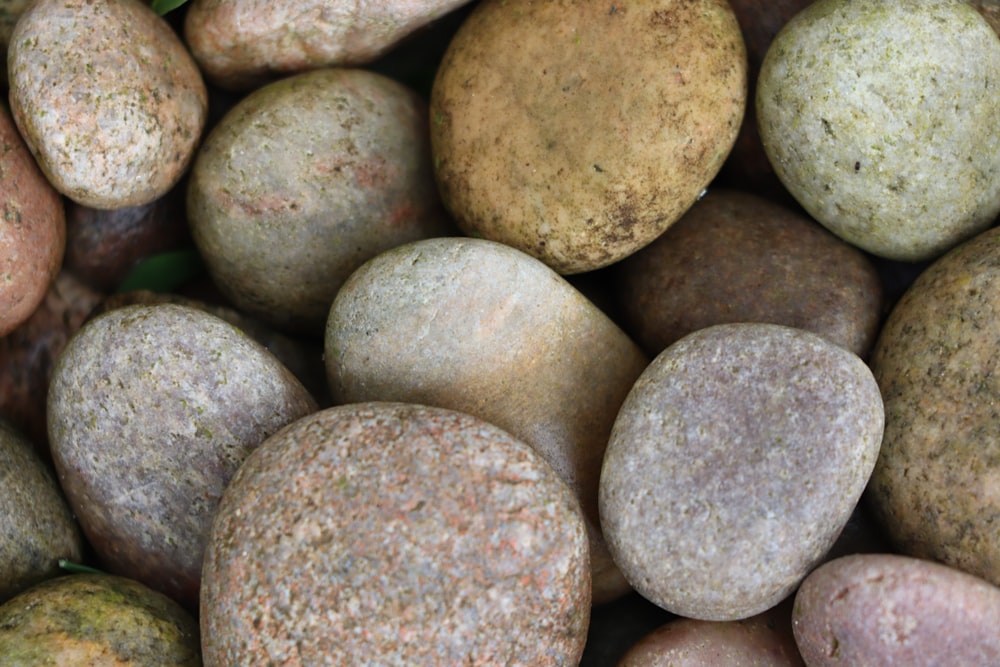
<point>934,488</point>
<point>887,609</point>
<point>396,534</point>
<point>737,257</point>
<point>735,462</point>
<point>107,98</point>
<point>879,118</point>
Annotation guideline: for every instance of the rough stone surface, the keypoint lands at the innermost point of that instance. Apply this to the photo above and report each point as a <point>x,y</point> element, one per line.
<point>884,609</point>
<point>151,410</point>
<point>36,526</point>
<point>395,534</point>
<point>935,487</point>
<point>880,118</point>
<point>98,620</point>
<point>32,229</point>
<point>303,181</point>
<point>477,326</point>
<point>241,45</point>
<point>107,98</point>
<point>734,463</point>
<point>735,257</point>
<point>578,132</point>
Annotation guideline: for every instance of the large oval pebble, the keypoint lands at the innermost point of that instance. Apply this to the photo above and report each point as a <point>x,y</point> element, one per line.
<point>151,410</point>
<point>879,117</point>
<point>935,486</point>
<point>886,609</point>
<point>283,211</point>
<point>579,132</point>
<point>107,97</point>
<point>735,461</point>
<point>396,534</point>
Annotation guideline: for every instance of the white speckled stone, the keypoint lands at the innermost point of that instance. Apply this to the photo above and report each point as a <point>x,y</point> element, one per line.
<point>151,409</point>
<point>880,117</point>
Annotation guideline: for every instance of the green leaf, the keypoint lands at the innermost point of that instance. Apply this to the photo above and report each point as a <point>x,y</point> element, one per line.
<point>161,7</point>
<point>164,272</point>
<point>77,568</point>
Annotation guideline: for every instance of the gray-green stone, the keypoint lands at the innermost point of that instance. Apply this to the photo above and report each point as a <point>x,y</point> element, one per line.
<point>880,117</point>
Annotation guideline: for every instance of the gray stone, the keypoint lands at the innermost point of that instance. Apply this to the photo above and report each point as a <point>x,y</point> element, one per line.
<point>733,465</point>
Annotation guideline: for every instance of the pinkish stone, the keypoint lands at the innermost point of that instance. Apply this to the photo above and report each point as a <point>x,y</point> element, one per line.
<point>396,534</point>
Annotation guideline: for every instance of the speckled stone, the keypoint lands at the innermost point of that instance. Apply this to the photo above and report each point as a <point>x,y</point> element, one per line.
<point>734,463</point>
<point>96,620</point>
<point>736,257</point>
<point>107,98</point>
<point>395,534</point>
<point>880,118</point>
<point>240,45</point>
<point>887,609</point>
<point>483,328</point>
<point>578,132</point>
<point>32,229</point>
<point>151,409</point>
<point>36,526</point>
<point>283,212</point>
<point>935,486</point>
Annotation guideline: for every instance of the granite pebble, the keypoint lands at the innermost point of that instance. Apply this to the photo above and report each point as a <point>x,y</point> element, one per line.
<point>396,534</point>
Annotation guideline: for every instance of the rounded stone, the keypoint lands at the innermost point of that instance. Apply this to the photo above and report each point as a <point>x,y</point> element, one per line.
<point>396,534</point>
<point>685,642</point>
<point>303,181</point>
<point>734,463</point>
<point>934,488</point>
<point>98,620</point>
<point>887,609</point>
<point>151,409</point>
<point>880,119</point>
<point>578,132</point>
<point>32,230</point>
<point>107,98</point>
<point>36,526</point>
<point>736,257</point>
